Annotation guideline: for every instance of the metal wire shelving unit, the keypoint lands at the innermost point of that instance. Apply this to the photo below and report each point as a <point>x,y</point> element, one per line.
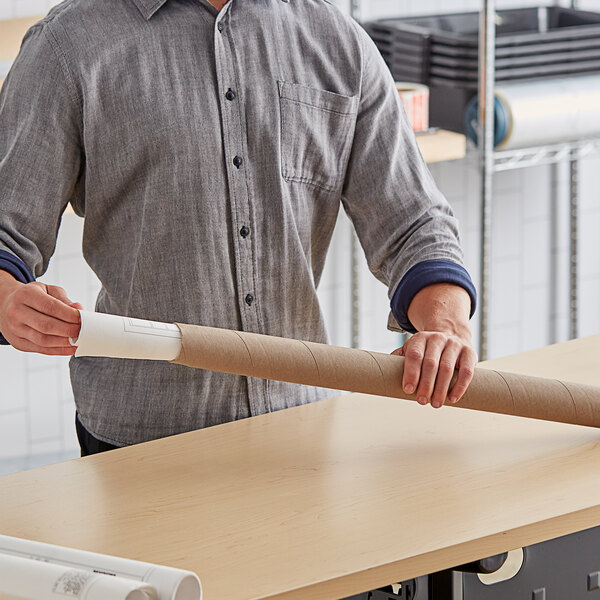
<point>492,161</point>
<point>545,155</point>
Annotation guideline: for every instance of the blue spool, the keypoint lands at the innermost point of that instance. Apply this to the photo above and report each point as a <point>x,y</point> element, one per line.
<point>501,120</point>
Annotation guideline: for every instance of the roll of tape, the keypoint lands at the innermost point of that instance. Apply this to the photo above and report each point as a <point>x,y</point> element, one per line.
<point>502,120</point>
<point>415,98</point>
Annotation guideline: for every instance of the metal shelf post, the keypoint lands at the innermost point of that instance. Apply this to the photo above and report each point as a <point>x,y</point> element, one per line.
<point>355,9</point>
<point>573,250</point>
<point>355,13</point>
<point>487,57</point>
<point>573,239</point>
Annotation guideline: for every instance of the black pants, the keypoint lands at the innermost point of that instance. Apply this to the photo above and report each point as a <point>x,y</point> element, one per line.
<point>88,443</point>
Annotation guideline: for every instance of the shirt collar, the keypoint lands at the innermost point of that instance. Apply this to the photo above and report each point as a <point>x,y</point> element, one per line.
<point>148,7</point>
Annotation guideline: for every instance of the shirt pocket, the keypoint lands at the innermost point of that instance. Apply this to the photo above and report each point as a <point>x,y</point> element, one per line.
<point>317,128</point>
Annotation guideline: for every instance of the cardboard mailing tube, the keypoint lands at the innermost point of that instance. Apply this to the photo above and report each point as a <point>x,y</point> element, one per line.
<point>321,365</point>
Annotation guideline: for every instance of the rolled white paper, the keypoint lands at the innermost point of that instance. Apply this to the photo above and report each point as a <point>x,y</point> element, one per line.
<point>125,337</point>
<point>38,580</point>
<point>545,112</point>
<point>169,583</point>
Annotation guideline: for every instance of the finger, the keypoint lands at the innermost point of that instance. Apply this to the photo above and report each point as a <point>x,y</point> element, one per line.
<point>27,346</point>
<point>466,368</point>
<point>44,324</point>
<point>37,298</point>
<point>60,294</point>
<point>429,367</point>
<point>445,372</point>
<point>399,351</point>
<point>42,340</point>
<point>414,351</point>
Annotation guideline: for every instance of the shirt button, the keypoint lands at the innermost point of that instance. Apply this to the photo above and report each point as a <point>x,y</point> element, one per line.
<point>237,161</point>
<point>249,299</point>
<point>230,94</point>
<point>220,26</point>
<point>245,231</point>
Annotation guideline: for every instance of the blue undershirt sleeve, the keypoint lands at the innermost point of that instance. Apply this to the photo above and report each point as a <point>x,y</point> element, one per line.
<point>18,269</point>
<point>427,273</point>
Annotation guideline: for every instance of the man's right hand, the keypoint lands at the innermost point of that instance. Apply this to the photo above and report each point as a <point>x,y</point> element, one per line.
<point>36,317</point>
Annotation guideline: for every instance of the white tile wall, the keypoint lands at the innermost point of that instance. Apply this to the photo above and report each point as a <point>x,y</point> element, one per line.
<point>529,274</point>
<point>15,431</point>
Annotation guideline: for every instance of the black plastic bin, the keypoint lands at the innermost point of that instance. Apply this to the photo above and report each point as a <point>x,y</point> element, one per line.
<point>515,27</point>
<point>441,51</point>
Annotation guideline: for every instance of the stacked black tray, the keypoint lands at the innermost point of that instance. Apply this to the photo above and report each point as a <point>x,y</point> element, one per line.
<point>441,51</point>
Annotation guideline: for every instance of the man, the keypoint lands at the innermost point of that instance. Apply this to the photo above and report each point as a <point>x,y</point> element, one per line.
<point>209,147</point>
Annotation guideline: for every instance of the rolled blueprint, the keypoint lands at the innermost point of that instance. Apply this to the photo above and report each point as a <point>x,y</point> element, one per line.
<point>168,583</point>
<point>352,370</point>
<point>37,580</point>
<point>536,113</point>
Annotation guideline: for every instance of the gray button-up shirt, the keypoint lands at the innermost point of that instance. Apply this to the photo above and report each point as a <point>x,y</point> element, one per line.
<point>209,153</point>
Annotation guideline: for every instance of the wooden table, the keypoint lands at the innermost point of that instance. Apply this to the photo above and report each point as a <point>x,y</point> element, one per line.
<point>330,499</point>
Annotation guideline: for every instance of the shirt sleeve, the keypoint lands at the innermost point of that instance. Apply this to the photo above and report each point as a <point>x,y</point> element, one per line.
<point>400,216</point>
<point>421,275</point>
<point>41,158</point>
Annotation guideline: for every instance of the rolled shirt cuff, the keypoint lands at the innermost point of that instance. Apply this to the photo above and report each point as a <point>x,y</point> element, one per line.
<point>18,269</point>
<point>427,273</point>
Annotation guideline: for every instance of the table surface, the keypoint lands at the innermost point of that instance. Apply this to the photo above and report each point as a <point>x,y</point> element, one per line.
<point>329,499</point>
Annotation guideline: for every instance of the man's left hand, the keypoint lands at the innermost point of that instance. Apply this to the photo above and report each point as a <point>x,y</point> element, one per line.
<point>441,347</point>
